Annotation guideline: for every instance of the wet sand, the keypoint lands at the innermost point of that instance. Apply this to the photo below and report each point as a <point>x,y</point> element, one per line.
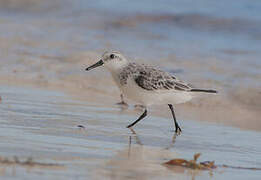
<point>43,125</point>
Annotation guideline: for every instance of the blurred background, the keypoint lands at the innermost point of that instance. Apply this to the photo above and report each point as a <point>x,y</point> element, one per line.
<point>215,44</point>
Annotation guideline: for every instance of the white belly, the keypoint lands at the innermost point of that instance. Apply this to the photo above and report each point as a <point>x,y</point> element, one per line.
<point>146,97</point>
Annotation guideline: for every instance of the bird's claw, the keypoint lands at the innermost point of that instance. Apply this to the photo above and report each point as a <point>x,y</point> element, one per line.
<point>122,103</point>
<point>178,130</point>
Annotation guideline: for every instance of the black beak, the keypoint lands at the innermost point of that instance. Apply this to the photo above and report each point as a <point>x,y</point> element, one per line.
<point>99,63</point>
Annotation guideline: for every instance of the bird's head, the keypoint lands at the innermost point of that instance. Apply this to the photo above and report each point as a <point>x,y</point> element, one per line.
<point>112,60</point>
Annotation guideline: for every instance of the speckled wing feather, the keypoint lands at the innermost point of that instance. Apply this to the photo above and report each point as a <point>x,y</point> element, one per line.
<point>153,79</point>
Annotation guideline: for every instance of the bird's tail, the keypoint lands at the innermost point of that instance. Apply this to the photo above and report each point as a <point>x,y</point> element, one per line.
<point>204,90</point>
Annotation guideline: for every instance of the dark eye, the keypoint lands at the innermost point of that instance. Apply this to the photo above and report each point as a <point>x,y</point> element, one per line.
<point>112,56</point>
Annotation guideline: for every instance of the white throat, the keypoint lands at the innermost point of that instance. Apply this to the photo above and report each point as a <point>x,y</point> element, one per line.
<point>116,66</point>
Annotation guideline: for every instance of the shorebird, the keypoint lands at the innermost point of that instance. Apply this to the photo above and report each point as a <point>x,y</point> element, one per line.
<point>147,85</point>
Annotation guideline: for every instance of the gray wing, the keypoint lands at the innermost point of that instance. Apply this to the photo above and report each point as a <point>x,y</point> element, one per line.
<point>153,79</point>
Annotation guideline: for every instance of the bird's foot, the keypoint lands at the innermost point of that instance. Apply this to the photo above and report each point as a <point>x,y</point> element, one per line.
<point>178,130</point>
<point>129,126</point>
<point>122,103</point>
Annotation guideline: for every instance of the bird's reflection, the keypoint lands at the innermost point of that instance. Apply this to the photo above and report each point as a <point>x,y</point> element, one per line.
<point>172,141</point>
<point>140,153</point>
<point>139,142</point>
<point>130,140</point>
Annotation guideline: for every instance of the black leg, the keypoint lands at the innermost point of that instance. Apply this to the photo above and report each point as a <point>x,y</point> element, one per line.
<point>177,128</point>
<point>140,118</point>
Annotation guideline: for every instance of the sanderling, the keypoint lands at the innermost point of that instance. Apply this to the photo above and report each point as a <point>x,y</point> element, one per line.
<point>147,85</point>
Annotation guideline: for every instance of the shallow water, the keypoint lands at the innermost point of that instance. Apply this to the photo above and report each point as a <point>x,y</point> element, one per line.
<point>42,124</point>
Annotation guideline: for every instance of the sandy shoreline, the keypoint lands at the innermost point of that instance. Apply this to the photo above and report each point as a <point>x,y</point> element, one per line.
<point>42,124</point>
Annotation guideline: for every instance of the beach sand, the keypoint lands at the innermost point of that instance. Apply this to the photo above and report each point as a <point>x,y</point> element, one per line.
<point>82,139</point>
